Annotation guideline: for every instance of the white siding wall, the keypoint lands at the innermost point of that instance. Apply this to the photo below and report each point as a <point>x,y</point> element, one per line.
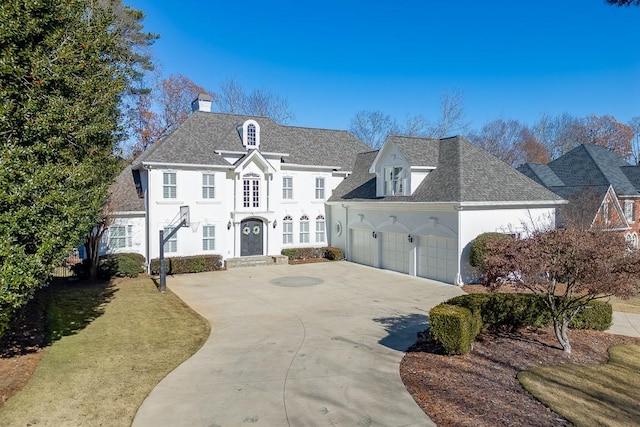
<point>475,222</point>
<point>229,199</point>
<point>135,224</point>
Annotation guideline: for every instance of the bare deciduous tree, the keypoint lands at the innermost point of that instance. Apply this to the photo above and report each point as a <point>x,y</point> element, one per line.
<point>161,111</point>
<point>634,124</point>
<point>452,116</point>
<point>570,267</point>
<point>373,127</point>
<point>607,132</point>
<point>259,102</point>
<point>500,138</point>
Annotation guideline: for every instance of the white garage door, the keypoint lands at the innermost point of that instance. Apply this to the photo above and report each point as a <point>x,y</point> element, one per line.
<point>363,247</point>
<point>437,258</point>
<point>396,252</point>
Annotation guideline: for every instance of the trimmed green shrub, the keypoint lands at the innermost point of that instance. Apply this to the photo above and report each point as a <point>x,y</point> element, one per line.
<point>113,265</point>
<point>595,315</point>
<point>188,264</point>
<point>510,311</point>
<point>479,251</point>
<point>453,327</point>
<point>514,311</point>
<point>121,265</point>
<point>333,254</point>
<point>329,253</point>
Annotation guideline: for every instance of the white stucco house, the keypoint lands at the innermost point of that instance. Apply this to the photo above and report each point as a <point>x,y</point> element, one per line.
<point>255,187</point>
<point>415,205</point>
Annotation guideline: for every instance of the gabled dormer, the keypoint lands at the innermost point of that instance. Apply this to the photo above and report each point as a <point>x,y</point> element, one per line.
<point>393,176</point>
<point>250,133</point>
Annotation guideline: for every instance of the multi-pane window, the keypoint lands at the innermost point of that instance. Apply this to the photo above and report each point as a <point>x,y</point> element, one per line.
<point>251,191</point>
<point>320,231</point>
<point>120,236</point>
<point>629,210</point>
<point>304,229</point>
<point>169,185</point>
<point>393,181</point>
<point>209,238</point>
<point>287,230</point>
<point>251,135</point>
<point>319,188</point>
<point>170,245</point>
<point>208,186</point>
<point>287,188</point>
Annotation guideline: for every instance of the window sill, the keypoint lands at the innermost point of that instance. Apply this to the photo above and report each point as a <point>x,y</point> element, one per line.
<point>289,202</point>
<point>208,202</point>
<point>318,201</point>
<point>169,202</point>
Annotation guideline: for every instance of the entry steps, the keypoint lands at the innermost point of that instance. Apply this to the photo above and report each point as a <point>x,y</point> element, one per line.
<point>254,261</point>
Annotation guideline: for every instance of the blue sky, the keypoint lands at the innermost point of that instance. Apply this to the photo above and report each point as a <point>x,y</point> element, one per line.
<point>330,59</point>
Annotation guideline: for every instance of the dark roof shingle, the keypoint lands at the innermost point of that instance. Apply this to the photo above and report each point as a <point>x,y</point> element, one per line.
<point>464,173</point>
<point>197,139</point>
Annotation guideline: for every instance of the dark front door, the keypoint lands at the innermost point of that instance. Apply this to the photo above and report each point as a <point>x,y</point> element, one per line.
<point>251,237</point>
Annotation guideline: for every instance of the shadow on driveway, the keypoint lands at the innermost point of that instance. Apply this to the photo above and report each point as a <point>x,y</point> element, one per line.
<point>402,330</point>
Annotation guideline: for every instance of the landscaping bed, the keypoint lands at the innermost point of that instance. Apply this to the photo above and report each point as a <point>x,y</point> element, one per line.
<point>481,387</point>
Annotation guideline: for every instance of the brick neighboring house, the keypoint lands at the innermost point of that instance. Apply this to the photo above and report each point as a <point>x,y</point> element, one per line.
<point>604,188</point>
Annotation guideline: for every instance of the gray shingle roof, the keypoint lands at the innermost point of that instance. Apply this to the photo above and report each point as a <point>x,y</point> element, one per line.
<point>197,139</point>
<point>593,165</point>
<point>464,173</point>
<point>418,151</point>
<point>123,194</point>
<point>541,173</point>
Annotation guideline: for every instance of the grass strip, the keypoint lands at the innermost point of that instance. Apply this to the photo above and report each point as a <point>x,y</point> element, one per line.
<point>110,344</point>
<point>591,395</point>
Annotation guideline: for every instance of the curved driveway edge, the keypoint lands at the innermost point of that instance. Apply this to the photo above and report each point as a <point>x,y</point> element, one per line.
<point>302,345</point>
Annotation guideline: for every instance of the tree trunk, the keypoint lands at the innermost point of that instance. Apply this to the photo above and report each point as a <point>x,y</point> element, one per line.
<point>560,327</point>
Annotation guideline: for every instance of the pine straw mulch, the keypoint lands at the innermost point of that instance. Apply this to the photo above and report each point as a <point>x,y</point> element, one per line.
<point>481,388</point>
<point>21,348</point>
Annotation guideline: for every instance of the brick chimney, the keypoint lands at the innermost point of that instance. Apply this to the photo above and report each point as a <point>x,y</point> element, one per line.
<point>201,103</point>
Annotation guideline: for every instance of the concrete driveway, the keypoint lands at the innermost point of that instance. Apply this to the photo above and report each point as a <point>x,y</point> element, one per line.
<point>304,345</point>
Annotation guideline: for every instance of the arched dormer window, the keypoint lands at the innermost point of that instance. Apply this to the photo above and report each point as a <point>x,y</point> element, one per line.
<point>251,135</point>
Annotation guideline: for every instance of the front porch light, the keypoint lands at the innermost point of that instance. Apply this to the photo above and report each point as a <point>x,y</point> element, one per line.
<point>229,225</point>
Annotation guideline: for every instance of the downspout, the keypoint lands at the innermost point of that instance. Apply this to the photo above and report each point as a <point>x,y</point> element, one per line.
<point>459,281</point>
<point>345,229</point>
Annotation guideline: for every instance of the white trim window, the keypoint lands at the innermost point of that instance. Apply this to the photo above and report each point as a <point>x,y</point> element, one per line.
<point>120,236</point>
<point>287,188</point>
<point>393,181</point>
<point>320,229</point>
<point>304,229</point>
<point>629,211</point>
<point>208,186</point>
<point>251,134</point>
<point>169,185</point>
<point>251,191</point>
<point>604,212</point>
<point>209,238</point>
<point>287,230</point>
<point>319,188</point>
<point>170,245</point>
<point>632,239</point>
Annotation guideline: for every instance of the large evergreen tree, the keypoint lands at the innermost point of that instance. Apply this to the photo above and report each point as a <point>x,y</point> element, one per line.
<point>65,66</point>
